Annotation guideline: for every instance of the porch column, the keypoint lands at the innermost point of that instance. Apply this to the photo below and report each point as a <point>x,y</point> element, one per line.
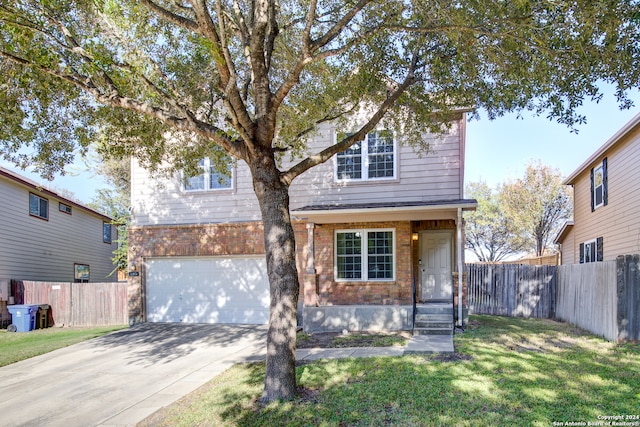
<point>311,263</point>
<point>310,279</point>
<point>460,266</point>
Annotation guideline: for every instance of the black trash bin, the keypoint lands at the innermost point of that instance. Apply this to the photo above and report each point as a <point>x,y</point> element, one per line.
<point>42,316</point>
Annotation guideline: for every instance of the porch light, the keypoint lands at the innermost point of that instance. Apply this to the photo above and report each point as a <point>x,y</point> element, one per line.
<point>414,236</point>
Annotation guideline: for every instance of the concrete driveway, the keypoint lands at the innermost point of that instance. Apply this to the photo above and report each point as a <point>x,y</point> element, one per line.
<point>121,378</point>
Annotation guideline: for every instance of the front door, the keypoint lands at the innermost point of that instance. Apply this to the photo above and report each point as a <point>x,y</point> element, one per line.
<point>435,266</point>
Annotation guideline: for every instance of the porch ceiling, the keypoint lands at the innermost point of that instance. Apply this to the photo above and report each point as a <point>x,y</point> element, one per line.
<point>374,212</point>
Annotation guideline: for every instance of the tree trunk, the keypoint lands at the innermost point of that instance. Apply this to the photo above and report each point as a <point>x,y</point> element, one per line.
<point>279,239</point>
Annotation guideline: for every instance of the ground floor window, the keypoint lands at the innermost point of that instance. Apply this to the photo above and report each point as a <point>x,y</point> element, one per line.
<point>365,254</point>
<point>591,251</point>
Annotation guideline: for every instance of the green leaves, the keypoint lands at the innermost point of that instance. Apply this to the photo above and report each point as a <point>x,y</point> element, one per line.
<point>204,74</point>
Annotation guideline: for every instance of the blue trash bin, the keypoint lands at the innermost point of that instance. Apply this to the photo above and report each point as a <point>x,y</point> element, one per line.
<point>23,316</point>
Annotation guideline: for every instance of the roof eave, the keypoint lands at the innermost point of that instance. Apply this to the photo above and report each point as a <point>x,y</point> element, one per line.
<point>617,137</point>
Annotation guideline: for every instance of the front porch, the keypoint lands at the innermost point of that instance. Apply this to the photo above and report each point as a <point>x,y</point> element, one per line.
<point>427,242</point>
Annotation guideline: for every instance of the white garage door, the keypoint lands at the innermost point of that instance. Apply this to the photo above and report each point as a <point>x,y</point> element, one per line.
<point>208,290</point>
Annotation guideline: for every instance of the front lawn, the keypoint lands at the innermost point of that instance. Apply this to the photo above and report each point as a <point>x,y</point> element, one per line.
<point>16,346</point>
<point>505,372</point>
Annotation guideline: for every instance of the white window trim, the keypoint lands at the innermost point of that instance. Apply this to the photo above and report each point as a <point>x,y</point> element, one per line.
<point>365,162</point>
<point>206,168</point>
<point>364,254</point>
<point>596,205</point>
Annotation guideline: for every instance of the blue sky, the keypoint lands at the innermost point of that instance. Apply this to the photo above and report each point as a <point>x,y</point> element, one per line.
<point>499,149</point>
<point>496,150</point>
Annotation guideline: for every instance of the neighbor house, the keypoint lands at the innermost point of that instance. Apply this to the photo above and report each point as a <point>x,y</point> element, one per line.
<point>378,230</point>
<point>48,237</point>
<point>606,202</point>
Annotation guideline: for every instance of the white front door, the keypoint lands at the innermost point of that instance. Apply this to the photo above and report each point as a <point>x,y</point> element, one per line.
<point>435,266</point>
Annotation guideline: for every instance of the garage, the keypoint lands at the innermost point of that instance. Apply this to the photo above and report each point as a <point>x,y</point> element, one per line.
<point>207,290</point>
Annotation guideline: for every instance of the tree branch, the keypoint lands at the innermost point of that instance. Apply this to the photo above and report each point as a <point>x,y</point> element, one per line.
<point>181,21</point>
<point>324,155</point>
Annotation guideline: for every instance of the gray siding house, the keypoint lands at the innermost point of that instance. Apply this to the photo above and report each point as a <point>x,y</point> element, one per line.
<point>378,229</point>
<point>47,237</point>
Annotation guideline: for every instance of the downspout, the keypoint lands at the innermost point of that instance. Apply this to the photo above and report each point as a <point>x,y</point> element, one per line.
<point>460,266</point>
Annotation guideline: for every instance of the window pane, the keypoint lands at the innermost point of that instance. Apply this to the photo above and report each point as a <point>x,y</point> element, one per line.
<point>34,205</point>
<point>598,195</point>
<point>348,255</point>
<point>380,255</point>
<point>194,183</point>
<point>381,161</point>
<point>219,181</point>
<point>106,232</point>
<point>350,162</point>
<point>44,208</point>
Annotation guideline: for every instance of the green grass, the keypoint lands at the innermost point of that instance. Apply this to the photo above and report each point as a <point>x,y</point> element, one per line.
<point>16,346</point>
<point>506,372</point>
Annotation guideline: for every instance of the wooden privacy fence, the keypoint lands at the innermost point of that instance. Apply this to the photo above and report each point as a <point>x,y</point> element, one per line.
<point>79,304</point>
<point>511,289</point>
<point>587,297</point>
<point>601,297</point>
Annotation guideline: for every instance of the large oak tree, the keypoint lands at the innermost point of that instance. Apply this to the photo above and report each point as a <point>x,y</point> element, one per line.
<point>169,81</point>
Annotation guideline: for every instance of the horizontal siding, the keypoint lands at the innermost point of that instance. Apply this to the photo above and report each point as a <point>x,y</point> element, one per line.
<point>618,222</point>
<point>35,249</point>
<point>433,176</point>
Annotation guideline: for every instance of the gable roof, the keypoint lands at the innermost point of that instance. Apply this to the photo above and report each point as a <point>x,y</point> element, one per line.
<point>22,180</point>
<point>614,140</point>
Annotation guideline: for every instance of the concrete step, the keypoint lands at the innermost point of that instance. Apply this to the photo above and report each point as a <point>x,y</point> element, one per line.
<point>421,317</point>
<point>433,324</point>
<point>434,308</point>
<point>432,331</point>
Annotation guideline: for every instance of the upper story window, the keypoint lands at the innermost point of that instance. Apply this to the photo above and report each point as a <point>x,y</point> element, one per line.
<point>64,208</point>
<point>599,185</point>
<point>38,206</point>
<point>106,232</point>
<point>371,159</point>
<point>364,255</point>
<point>209,179</point>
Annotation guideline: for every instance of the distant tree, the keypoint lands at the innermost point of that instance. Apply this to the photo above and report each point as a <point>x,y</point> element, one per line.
<point>115,199</point>
<point>537,205</point>
<point>489,235</point>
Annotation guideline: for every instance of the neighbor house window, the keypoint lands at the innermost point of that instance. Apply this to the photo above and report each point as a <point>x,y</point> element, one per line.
<point>365,255</point>
<point>208,179</point>
<point>591,251</point>
<point>38,206</point>
<point>106,232</point>
<point>64,208</point>
<point>599,185</point>
<point>373,158</point>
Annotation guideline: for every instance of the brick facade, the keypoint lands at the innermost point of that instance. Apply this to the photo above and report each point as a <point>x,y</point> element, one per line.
<point>317,287</point>
<point>331,292</point>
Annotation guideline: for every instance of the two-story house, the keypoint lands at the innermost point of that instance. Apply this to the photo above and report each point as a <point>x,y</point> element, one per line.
<point>606,201</point>
<point>378,227</point>
<point>47,237</point>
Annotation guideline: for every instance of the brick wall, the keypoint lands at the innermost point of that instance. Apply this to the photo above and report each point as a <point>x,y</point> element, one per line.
<point>331,292</point>
<point>247,238</point>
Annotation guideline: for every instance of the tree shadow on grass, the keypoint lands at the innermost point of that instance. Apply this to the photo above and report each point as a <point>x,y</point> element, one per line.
<point>544,378</point>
